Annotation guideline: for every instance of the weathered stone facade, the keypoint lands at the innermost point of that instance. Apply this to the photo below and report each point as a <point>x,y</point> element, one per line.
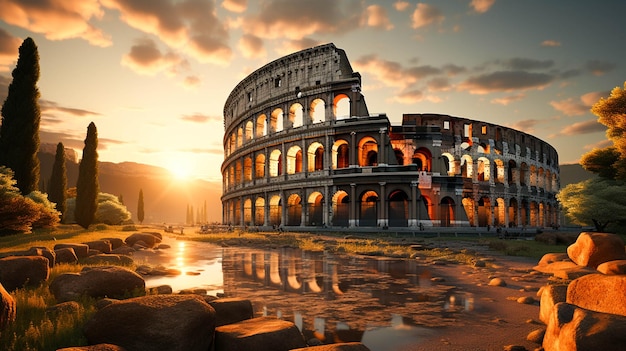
<point>301,149</point>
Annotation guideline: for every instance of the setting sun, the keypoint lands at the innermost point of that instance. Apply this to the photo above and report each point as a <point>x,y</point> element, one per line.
<point>180,168</point>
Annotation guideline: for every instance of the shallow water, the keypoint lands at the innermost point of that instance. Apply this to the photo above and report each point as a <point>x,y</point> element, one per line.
<point>384,303</point>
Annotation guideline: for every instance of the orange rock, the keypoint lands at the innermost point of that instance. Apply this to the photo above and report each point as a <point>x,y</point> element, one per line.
<point>592,249</point>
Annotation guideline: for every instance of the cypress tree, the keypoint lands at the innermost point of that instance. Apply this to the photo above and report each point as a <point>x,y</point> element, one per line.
<point>19,132</point>
<point>58,180</point>
<point>140,212</point>
<point>87,186</point>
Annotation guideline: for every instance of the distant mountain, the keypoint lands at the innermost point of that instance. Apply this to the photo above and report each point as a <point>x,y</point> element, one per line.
<point>165,198</point>
<point>574,173</point>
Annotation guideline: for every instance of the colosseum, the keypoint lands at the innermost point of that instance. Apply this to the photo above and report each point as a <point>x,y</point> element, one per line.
<point>301,150</point>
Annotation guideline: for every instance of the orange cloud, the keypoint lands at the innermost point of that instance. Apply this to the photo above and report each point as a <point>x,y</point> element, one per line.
<point>146,58</point>
<point>9,50</point>
<point>251,46</point>
<point>237,6</point>
<point>550,43</point>
<point>505,81</point>
<point>409,97</point>
<point>508,99</point>
<point>201,118</point>
<point>599,68</point>
<point>393,73</point>
<point>482,6</point>
<point>578,106</point>
<point>585,127</point>
<point>57,20</point>
<point>401,5</point>
<point>425,15</point>
<point>376,16</point>
<point>527,125</point>
<point>291,46</point>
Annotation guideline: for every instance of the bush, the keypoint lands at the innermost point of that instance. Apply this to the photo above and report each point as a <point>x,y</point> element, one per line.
<point>110,211</point>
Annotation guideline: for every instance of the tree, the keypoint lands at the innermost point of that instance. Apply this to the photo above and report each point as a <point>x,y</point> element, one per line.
<point>140,213</point>
<point>109,210</point>
<point>87,186</point>
<point>19,132</point>
<point>599,202</point>
<point>57,184</point>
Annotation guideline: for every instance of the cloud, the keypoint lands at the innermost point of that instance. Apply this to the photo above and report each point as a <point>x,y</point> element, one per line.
<point>201,118</point>
<point>585,127</point>
<point>508,99</point>
<point>49,107</point>
<point>505,81</point>
<point>376,16</point>
<point>70,140</point>
<point>9,50</point>
<point>550,43</point>
<point>426,15</point>
<point>297,19</point>
<point>393,73</point>
<point>599,68</point>
<point>519,63</point>
<point>482,6</point>
<point>401,5</point>
<point>4,87</point>
<point>237,6</point>
<point>146,58</point>
<point>57,20</point>
<point>251,46</point>
<point>192,81</point>
<point>527,125</point>
<point>599,145</point>
<point>409,97</point>
<point>291,46</point>
<point>577,106</point>
<point>190,25</point>
<point>209,151</point>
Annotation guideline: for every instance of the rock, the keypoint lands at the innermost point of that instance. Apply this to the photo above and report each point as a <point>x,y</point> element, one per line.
<point>66,255</point>
<point>536,336</point>
<point>600,293</point>
<point>17,271</point>
<point>349,346</point>
<point>162,290</point>
<point>69,307</point>
<point>553,257</point>
<point>123,250</point>
<point>592,249</point>
<point>108,259</point>
<point>497,282</point>
<point>102,303</point>
<point>526,300</point>
<point>104,246</point>
<point>564,269</point>
<point>231,310</point>
<point>613,267</point>
<point>156,322</point>
<point>7,308</point>
<point>81,250</point>
<point>514,348</point>
<point>98,347</point>
<point>100,281</point>
<point>116,243</point>
<point>34,251</point>
<point>575,328</point>
<point>259,334</point>
<point>480,264</point>
<point>550,296</point>
<point>150,239</point>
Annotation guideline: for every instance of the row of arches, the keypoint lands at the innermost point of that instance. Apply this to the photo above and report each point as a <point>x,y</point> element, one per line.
<point>296,116</point>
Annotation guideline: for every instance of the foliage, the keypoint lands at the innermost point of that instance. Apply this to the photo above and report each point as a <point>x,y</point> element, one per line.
<point>58,180</point>
<point>140,209</point>
<point>599,202</point>
<point>87,186</point>
<point>610,162</point>
<point>19,131</point>
<point>108,211</point>
<point>22,213</point>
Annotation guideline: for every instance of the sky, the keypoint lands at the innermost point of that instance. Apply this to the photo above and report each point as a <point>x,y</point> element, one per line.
<point>153,75</point>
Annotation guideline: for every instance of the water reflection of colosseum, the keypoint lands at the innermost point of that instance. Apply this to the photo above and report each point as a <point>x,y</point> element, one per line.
<point>302,150</point>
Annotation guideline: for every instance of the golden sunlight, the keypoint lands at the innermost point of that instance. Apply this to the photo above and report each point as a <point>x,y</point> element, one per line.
<point>180,167</point>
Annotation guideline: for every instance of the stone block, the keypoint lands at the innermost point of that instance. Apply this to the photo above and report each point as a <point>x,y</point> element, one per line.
<point>259,334</point>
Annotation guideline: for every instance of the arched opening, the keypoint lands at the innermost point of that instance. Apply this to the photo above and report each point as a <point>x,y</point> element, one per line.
<point>483,148</point>
<point>341,106</point>
<point>450,164</point>
<point>534,214</point>
<point>276,163</point>
<point>368,209</point>
<point>399,155</point>
<point>484,212</point>
<point>499,171</point>
<point>524,212</point>
<point>512,173</point>
<point>428,203</point>
<point>468,206</point>
<point>231,176</point>
<point>316,209</point>
<point>499,211</point>
<point>317,112</point>
<point>259,166</point>
<point>261,125</point>
<point>276,121</point>
<point>296,115</point>
<point>398,209</point>
<point>533,175</point>
<point>249,131</point>
<point>422,157</point>
<point>259,211</point>
<point>446,210</point>
<point>523,174</point>
<point>294,160</point>
<point>483,169</point>
<point>247,169</point>
<point>247,212</point>
<point>239,136</point>
<point>341,154</point>
<point>294,210</point>
<point>233,143</point>
<point>368,152</point>
<point>467,166</point>
<point>236,212</point>
<point>238,174</point>
<point>513,213</point>
<point>275,210</point>
<point>315,157</point>
<point>341,209</point>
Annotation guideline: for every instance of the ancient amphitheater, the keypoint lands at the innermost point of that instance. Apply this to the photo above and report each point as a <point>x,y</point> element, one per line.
<point>302,150</point>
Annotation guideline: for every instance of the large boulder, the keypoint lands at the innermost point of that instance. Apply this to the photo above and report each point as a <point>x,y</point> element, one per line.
<point>65,255</point>
<point>599,292</point>
<point>574,328</point>
<point>592,249</point>
<point>150,239</point>
<point>116,243</point>
<point>550,296</point>
<point>347,346</point>
<point>232,310</point>
<point>17,271</point>
<point>81,250</point>
<point>104,246</point>
<point>259,334</point>
<point>564,269</point>
<point>7,308</point>
<point>99,281</point>
<point>155,322</point>
<point>613,267</point>
<point>34,251</point>
<point>108,259</point>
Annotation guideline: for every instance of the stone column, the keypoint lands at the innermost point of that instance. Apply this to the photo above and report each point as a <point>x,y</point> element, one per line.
<point>353,221</point>
<point>382,210</point>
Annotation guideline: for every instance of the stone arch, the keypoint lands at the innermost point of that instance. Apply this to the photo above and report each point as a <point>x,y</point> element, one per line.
<point>296,115</point>
<point>341,208</point>
<point>512,174</point>
<point>233,143</point>
<point>247,169</point>
<point>447,212</point>
<point>499,212</point>
<point>398,209</point>
<point>261,125</point>
<point>399,155</point>
<point>239,136</point>
<point>315,157</point>
<point>276,163</point>
<point>368,152</point>
<point>499,171</point>
<point>247,212</point>
<point>341,154</point>
<point>523,174</point>
<point>238,172</point>
<point>469,206</point>
<point>341,106</point>
<point>467,166</point>
<point>368,209</point>
<point>451,164</point>
<point>259,211</point>
<point>317,111</point>
<point>259,166</point>
<point>315,205</point>
<point>249,131</point>
<point>294,160</point>
<point>423,158</point>
<point>294,210</point>
<point>513,213</point>
<point>484,212</point>
<point>483,170</point>
<point>276,210</point>
<point>276,120</point>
